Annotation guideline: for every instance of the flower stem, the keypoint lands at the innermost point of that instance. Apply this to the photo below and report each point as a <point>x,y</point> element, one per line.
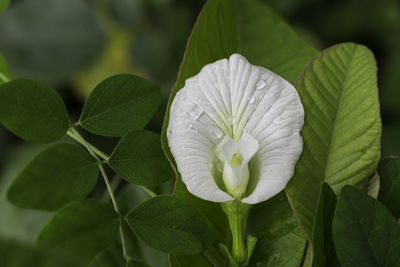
<point>237,213</point>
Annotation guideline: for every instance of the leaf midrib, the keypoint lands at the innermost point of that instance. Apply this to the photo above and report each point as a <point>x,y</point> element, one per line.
<point>91,117</point>
<point>337,112</point>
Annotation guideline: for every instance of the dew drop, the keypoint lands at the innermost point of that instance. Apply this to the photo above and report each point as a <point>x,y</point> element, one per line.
<point>196,112</point>
<point>191,126</point>
<point>169,131</point>
<point>215,130</point>
<point>252,99</point>
<point>260,85</point>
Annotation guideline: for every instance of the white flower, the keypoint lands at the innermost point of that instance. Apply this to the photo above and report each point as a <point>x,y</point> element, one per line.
<point>234,131</point>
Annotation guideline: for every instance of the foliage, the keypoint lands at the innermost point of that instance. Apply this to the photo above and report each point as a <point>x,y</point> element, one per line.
<point>323,218</point>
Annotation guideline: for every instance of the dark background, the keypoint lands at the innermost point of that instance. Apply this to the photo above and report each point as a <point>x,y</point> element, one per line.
<point>72,45</point>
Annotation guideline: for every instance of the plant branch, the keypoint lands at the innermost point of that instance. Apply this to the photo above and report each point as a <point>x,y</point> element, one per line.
<point>148,191</point>
<point>96,153</point>
<point>74,134</point>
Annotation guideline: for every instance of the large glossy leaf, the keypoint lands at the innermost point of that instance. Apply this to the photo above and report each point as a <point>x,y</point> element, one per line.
<point>120,104</point>
<point>84,227</point>
<point>280,239</point>
<point>364,232</point>
<point>139,159</point>
<point>342,127</point>
<point>322,243</point>
<point>56,176</point>
<point>50,40</point>
<point>252,29</point>
<point>16,254</point>
<point>4,72</point>
<point>389,193</point>
<point>33,111</point>
<point>171,225</point>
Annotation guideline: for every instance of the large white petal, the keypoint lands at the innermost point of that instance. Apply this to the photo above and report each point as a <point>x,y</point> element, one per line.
<point>232,97</point>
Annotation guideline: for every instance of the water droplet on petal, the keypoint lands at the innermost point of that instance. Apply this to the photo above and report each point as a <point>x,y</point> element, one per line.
<point>252,99</point>
<point>215,130</point>
<point>260,85</point>
<point>196,112</point>
<point>169,132</point>
<point>191,126</point>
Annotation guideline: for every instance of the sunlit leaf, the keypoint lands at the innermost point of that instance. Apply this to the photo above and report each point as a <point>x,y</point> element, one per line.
<point>120,104</point>
<point>84,227</point>
<point>364,232</point>
<point>56,176</point>
<point>342,128</point>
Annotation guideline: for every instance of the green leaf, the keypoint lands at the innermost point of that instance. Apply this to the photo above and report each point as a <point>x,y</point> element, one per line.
<point>139,159</point>
<point>85,227</point>
<point>170,224</point>
<point>16,254</point>
<point>364,231</point>
<point>254,30</point>
<point>17,223</point>
<point>120,104</point>
<point>322,243</point>
<point>342,127</point>
<point>373,186</point>
<point>136,263</point>
<point>33,111</point>
<point>56,176</point>
<point>4,72</point>
<point>3,5</point>
<point>280,240</point>
<point>189,260</point>
<point>128,197</point>
<point>389,194</point>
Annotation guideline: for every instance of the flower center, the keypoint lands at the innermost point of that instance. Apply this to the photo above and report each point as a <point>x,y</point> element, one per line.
<point>235,157</point>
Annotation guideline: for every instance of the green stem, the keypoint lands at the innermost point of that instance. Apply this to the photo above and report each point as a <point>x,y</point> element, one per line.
<point>123,244</point>
<point>109,188</point>
<point>96,153</point>
<point>74,134</point>
<point>148,191</point>
<point>237,213</point>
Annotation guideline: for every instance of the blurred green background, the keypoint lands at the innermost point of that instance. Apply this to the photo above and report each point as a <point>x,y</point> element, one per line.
<point>72,45</point>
